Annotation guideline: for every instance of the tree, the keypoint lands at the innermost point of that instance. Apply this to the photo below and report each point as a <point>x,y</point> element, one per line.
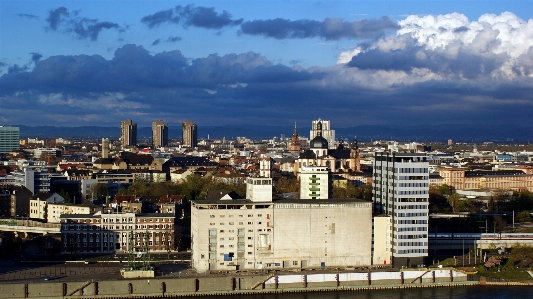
<point>287,185</point>
<point>65,195</point>
<point>454,202</point>
<point>522,253</point>
<point>499,224</point>
<point>523,216</point>
<point>138,187</point>
<point>99,191</point>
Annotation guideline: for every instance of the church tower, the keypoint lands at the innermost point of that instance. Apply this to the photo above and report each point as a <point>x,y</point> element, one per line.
<point>355,163</point>
<point>294,146</point>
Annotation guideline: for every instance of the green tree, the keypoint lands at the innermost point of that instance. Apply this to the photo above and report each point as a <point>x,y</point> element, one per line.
<point>454,202</point>
<point>138,187</point>
<point>99,191</point>
<point>65,195</point>
<point>122,191</point>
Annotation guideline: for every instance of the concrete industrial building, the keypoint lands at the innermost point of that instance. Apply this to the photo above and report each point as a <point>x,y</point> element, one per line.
<point>128,133</point>
<point>159,134</point>
<point>189,134</point>
<point>258,233</point>
<point>9,139</point>
<point>400,191</point>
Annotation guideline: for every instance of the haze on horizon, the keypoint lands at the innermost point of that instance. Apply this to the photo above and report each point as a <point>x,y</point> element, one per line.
<point>82,63</point>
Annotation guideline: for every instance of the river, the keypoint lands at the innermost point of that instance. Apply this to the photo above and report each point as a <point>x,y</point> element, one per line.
<point>500,292</point>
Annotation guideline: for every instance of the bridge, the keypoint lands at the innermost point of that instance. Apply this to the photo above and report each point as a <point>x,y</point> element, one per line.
<point>25,227</point>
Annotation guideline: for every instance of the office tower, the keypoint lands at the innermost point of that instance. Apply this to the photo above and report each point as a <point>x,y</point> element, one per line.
<point>323,128</point>
<point>9,139</point>
<point>189,134</point>
<point>128,133</point>
<point>105,148</point>
<point>400,191</point>
<point>159,134</point>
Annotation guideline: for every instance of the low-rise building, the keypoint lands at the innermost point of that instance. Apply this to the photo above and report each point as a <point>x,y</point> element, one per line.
<point>117,232</point>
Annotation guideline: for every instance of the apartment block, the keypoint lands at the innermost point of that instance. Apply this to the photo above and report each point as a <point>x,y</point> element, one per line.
<point>400,191</point>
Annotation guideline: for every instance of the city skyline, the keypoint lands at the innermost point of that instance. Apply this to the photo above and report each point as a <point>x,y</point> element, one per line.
<point>261,63</point>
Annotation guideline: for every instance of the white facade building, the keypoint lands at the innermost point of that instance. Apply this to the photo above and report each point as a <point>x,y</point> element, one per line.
<point>315,182</point>
<point>400,190</point>
<point>259,189</point>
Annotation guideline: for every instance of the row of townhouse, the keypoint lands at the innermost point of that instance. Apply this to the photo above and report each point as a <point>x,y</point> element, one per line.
<point>117,232</point>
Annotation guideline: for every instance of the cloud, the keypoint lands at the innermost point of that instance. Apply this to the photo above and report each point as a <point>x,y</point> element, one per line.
<point>451,45</point>
<point>170,39</point>
<point>82,28</point>
<point>329,29</point>
<point>35,57</point>
<point>434,70</point>
<point>190,15</point>
<point>56,16</point>
<point>160,17</point>
<point>15,69</point>
<point>23,15</point>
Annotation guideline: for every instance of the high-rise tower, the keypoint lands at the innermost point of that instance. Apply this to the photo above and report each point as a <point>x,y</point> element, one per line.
<point>400,191</point>
<point>159,134</point>
<point>9,139</point>
<point>128,133</point>
<point>189,134</point>
<point>325,131</point>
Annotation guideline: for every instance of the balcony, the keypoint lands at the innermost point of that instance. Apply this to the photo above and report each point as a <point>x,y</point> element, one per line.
<point>314,189</point>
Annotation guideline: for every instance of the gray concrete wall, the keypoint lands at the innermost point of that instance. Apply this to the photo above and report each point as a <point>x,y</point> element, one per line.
<point>154,287</point>
<point>36,290</point>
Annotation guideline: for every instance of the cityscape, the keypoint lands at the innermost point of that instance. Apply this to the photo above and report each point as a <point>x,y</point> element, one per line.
<point>205,149</point>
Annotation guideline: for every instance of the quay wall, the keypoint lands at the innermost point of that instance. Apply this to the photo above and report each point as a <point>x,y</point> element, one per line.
<point>225,285</point>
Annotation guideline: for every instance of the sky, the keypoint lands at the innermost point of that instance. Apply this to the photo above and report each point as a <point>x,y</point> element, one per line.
<point>218,63</point>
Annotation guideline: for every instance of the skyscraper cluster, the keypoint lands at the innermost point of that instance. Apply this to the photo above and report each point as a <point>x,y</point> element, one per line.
<point>128,134</point>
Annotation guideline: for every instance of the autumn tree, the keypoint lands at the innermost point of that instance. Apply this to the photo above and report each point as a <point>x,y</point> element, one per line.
<point>523,216</point>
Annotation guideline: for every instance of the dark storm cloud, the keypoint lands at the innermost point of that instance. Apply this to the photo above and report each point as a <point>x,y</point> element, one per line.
<point>24,15</point>
<point>329,29</point>
<point>160,17</point>
<point>56,16</point>
<point>35,57</point>
<point>249,88</point>
<point>133,68</point>
<point>82,28</point>
<point>190,15</point>
<point>173,39</point>
<point>170,39</point>
<point>465,61</point>
<point>87,28</point>
<point>15,69</point>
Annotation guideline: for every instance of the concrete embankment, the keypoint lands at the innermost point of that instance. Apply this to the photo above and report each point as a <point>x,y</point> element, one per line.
<point>227,285</point>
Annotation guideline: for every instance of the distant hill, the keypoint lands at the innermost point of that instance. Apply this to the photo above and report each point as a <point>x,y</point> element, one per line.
<point>420,133</point>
